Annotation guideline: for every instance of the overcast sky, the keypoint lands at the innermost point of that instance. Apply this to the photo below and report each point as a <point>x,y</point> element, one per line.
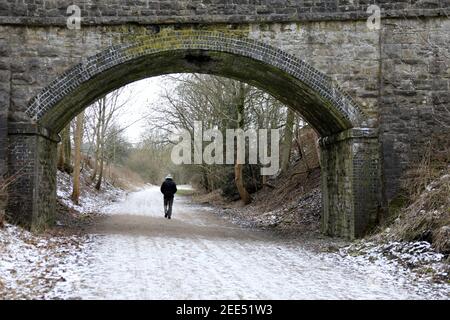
<point>144,93</point>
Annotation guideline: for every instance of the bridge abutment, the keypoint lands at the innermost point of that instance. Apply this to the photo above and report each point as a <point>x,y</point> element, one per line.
<point>3,160</point>
<point>32,161</point>
<point>5,76</point>
<point>351,186</point>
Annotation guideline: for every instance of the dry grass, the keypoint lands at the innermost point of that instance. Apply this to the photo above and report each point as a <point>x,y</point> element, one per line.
<point>428,217</point>
<point>122,177</point>
<point>215,197</point>
<point>4,183</point>
<point>426,196</point>
<point>431,166</point>
<point>302,177</point>
<point>117,175</point>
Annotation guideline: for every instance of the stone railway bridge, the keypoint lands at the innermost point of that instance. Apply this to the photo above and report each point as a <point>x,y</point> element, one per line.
<point>374,96</point>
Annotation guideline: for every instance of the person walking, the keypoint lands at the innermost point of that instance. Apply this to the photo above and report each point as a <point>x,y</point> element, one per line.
<point>168,189</point>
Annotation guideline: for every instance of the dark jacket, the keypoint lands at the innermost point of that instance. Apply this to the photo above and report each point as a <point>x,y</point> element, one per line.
<point>168,188</point>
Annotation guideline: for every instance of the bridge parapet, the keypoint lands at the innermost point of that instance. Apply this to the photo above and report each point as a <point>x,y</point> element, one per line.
<point>49,12</point>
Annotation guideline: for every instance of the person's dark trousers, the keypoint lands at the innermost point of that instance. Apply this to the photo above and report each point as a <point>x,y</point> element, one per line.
<point>168,202</point>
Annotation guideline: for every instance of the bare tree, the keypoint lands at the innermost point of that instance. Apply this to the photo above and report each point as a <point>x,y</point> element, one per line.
<point>238,167</point>
<point>98,109</point>
<point>65,151</point>
<point>77,157</point>
<point>287,140</point>
<point>219,103</point>
<point>109,109</point>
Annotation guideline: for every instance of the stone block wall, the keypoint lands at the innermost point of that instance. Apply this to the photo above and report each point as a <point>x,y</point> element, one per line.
<point>207,11</point>
<point>5,85</point>
<point>347,52</point>
<point>414,92</point>
<point>399,75</point>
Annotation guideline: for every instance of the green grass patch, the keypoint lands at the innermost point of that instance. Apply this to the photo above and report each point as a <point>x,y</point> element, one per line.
<point>185,192</point>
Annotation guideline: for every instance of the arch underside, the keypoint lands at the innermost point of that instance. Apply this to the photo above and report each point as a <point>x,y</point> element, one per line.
<point>287,78</point>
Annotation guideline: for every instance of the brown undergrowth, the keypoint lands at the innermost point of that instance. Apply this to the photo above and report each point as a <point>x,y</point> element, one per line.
<point>425,197</point>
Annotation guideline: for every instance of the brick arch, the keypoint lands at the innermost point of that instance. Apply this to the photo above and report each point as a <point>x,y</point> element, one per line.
<point>349,149</point>
<point>293,81</point>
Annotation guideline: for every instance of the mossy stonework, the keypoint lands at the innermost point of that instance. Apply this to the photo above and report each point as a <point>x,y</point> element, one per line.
<point>372,95</point>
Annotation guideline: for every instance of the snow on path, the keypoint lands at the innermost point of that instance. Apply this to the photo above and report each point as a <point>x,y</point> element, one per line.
<point>137,254</point>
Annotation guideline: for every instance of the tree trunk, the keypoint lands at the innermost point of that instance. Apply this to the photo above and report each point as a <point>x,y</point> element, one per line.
<point>94,171</point>
<point>239,180</point>
<point>98,185</point>
<point>96,153</point>
<point>66,149</point>
<point>77,160</point>
<point>206,184</point>
<point>60,164</point>
<point>287,141</point>
<point>102,143</point>
<point>300,151</point>
<point>317,147</point>
<point>97,142</point>
<point>238,168</point>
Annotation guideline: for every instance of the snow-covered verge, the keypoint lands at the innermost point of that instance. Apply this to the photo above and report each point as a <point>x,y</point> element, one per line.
<point>419,238</point>
<point>417,257</point>
<point>91,200</point>
<point>288,206</point>
<point>31,265</point>
<point>411,259</point>
<point>426,218</point>
<point>301,215</point>
<point>389,259</point>
<point>400,246</point>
